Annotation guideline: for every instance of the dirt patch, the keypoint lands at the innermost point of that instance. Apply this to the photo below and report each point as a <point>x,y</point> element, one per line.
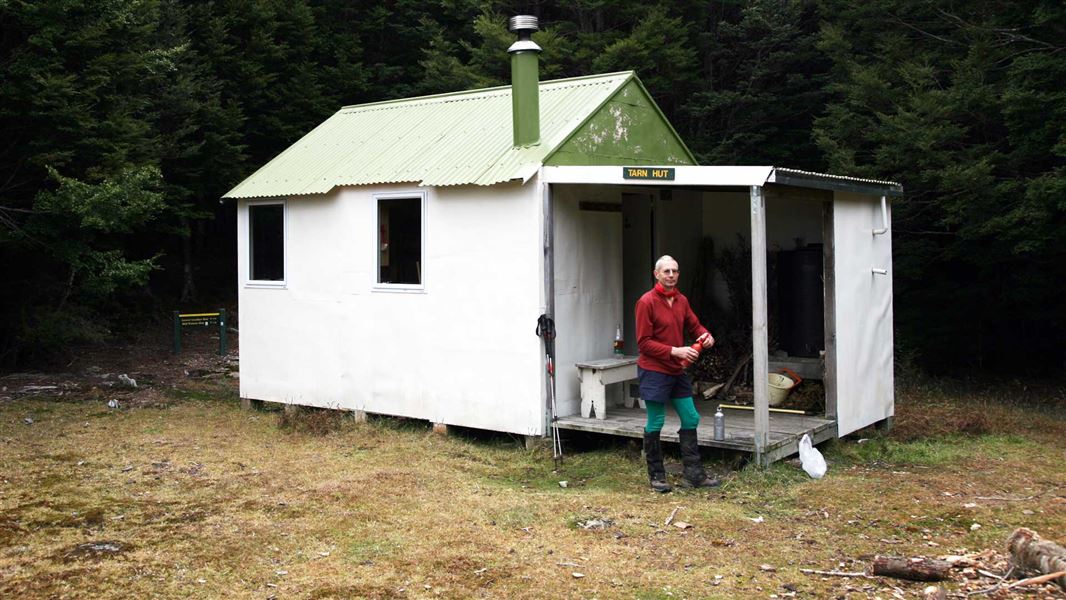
<point>96,550</point>
<point>375,592</point>
<point>10,530</point>
<point>134,375</point>
<point>914,422</point>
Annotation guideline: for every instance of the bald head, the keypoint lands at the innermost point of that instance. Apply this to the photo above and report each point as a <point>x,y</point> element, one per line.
<point>663,260</point>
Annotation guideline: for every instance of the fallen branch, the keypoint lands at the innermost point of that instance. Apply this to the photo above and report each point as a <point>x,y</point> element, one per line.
<point>1037,580</point>
<point>670,519</point>
<point>913,569</point>
<point>835,573</point>
<point>1032,553</point>
<point>999,584</point>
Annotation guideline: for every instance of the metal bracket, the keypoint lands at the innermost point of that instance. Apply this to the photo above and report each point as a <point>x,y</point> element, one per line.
<point>884,217</point>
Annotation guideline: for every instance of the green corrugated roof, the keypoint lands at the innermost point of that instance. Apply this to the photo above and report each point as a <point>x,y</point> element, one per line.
<point>446,139</point>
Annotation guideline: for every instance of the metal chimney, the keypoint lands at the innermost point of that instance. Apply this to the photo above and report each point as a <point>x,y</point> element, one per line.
<point>525,82</point>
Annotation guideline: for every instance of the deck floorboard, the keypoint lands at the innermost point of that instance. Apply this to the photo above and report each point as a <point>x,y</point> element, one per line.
<point>785,429</point>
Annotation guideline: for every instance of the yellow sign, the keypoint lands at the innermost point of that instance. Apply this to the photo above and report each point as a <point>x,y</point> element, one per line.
<point>661,173</point>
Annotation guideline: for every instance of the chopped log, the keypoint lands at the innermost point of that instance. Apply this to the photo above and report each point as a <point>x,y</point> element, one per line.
<point>733,377</point>
<point>1030,552</point>
<point>712,390</point>
<point>913,569</point>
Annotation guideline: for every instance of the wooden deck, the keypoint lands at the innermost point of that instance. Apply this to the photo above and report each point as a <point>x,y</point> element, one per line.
<point>785,429</point>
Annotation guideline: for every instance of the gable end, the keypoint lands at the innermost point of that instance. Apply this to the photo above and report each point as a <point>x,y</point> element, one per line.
<point>627,129</point>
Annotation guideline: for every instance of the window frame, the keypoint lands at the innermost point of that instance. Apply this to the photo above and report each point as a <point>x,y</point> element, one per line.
<point>401,288</point>
<point>268,283</point>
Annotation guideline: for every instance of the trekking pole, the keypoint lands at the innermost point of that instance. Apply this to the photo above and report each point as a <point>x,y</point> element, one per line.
<point>557,442</point>
<point>546,331</point>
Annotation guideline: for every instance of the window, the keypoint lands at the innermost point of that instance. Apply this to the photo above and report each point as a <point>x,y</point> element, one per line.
<point>399,240</point>
<point>266,239</point>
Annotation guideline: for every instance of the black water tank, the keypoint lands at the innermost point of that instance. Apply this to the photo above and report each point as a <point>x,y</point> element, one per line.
<point>799,296</point>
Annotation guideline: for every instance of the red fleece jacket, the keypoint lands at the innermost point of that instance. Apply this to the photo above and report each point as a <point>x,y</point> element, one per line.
<point>660,327</point>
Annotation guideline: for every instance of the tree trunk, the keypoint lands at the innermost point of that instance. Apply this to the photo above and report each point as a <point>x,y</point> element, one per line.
<point>1031,553</point>
<point>914,569</point>
<point>188,284</point>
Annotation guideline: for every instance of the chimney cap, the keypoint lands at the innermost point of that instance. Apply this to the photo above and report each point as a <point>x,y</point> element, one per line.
<point>523,23</point>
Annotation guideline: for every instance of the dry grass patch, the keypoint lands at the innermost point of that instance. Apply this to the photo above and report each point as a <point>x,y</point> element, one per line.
<point>195,498</point>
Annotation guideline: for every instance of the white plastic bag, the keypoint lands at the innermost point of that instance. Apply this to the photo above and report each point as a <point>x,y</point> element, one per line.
<point>811,459</point>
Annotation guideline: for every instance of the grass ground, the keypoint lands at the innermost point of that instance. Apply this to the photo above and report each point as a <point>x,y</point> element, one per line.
<point>188,496</point>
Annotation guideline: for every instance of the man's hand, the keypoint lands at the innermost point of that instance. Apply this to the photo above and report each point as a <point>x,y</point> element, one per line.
<point>706,339</point>
<point>684,353</point>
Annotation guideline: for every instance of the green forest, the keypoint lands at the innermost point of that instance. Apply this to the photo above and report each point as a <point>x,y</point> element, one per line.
<point>124,122</point>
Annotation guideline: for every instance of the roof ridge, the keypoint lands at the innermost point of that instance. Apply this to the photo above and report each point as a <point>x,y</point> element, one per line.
<point>481,91</point>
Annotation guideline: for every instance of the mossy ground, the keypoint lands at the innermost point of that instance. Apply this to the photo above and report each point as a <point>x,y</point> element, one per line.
<point>208,501</point>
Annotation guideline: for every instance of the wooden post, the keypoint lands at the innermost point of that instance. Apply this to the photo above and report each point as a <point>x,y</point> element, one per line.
<point>549,290</point>
<point>177,333</point>
<point>222,345</point>
<point>760,344</point>
<point>829,310</point>
<point>250,404</point>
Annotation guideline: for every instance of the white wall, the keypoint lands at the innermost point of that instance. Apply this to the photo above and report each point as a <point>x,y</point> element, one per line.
<point>461,352</point>
<point>588,284</point>
<point>863,313</point>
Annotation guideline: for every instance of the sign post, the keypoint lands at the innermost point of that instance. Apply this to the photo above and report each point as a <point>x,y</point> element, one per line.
<point>201,320</point>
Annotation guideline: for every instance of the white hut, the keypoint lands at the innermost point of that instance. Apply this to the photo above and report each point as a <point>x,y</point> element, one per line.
<point>395,261</point>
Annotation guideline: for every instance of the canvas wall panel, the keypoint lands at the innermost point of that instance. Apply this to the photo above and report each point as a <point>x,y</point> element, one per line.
<point>588,284</point>
<point>863,313</point>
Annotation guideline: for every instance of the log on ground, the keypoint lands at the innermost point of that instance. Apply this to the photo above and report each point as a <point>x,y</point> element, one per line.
<point>1030,552</point>
<point>913,569</point>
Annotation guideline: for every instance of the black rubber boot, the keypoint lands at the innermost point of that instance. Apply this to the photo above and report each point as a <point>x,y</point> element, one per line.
<point>653,452</point>
<point>695,476</point>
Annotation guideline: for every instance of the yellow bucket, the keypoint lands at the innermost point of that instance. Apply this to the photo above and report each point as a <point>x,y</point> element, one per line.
<point>780,386</point>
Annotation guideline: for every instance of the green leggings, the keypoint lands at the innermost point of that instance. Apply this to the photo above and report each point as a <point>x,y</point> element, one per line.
<point>684,407</point>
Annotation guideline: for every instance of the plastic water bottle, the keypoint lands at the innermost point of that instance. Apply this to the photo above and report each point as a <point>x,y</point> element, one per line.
<point>719,425</point>
<point>685,362</point>
<point>618,342</point>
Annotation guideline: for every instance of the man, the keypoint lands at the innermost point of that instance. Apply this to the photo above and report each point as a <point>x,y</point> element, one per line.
<point>663,316</point>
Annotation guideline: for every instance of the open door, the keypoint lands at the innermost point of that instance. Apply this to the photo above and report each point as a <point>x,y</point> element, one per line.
<point>863,306</point>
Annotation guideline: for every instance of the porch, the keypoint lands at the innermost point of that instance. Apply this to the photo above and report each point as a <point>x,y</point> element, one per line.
<point>806,254</point>
<point>785,429</point>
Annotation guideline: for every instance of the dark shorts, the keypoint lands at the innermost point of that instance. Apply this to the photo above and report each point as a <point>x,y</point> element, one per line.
<point>660,387</point>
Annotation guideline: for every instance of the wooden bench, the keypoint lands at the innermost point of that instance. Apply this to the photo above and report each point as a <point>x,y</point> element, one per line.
<point>596,375</point>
